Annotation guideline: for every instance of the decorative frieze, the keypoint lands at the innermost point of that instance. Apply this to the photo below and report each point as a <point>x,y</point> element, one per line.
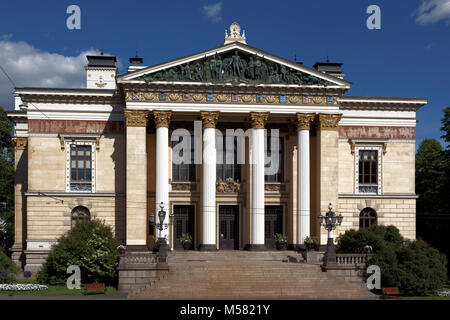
<point>258,119</point>
<point>209,118</point>
<point>304,121</point>
<point>227,97</point>
<point>376,132</point>
<point>75,126</point>
<point>183,186</point>
<point>228,186</point>
<point>329,121</point>
<point>20,143</point>
<point>136,118</point>
<point>162,118</point>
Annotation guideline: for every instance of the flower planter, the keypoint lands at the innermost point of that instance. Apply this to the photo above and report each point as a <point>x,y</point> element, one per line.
<point>281,245</point>
<point>187,245</point>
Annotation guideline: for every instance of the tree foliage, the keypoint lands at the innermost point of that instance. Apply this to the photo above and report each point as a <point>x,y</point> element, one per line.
<point>6,183</point>
<point>89,245</point>
<point>412,266</point>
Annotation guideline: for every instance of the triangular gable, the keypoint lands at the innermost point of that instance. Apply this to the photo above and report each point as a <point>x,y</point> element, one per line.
<point>234,63</point>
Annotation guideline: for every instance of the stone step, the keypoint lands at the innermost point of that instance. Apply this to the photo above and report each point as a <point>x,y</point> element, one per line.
<point>236,274</point>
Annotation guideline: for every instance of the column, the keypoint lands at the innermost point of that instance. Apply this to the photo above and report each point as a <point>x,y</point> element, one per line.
<point>20,186</point>
<point>136,176</point>
<point>328,135</point>
<point>257,219</point>
<point>162,121</point>
<point>304,121</point>
<point>208,210</point>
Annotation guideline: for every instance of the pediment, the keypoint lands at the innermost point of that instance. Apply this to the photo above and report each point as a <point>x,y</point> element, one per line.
<point>234,63</point>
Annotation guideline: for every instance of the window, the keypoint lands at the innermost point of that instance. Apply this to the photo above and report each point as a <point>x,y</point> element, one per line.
<point>368,171</point>
<point>279,175</point>
<point>80,214</point>
<point>184,171</point>
<point>226,170</point>
<point>367,218</point>
<point>80,167</point>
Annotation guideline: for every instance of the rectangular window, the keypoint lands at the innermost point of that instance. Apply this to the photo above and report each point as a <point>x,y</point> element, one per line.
<point>184,171</point>
<point>80,167</point>
<point>279,175</point>
<point>368,171</point>
<point>226,170</point>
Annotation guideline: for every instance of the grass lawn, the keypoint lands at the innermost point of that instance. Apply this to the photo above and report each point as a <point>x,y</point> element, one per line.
<point>54,290</point>
<point>434,297</point>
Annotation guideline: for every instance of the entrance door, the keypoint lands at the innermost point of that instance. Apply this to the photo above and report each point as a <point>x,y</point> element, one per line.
<point>183,223</point>
<point>229,227</point>
<point>273,224</point>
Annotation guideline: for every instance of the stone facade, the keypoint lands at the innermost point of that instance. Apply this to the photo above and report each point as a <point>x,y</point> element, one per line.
<point>130,131</point>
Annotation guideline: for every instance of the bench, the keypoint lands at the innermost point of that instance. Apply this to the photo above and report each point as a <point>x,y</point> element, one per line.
<point>94,287</point>
<point>390,291</point>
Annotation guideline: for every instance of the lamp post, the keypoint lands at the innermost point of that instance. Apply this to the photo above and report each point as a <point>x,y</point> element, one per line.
<point>330,221</point>
<point>161,243</point>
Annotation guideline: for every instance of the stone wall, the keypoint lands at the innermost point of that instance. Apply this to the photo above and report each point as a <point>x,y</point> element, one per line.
<point>398,212</point>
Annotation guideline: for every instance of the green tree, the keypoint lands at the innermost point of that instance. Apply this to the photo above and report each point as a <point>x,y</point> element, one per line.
<point>6,183</point>
<point>446,165</point>
<point>430,177</point>
<point>91,246</point>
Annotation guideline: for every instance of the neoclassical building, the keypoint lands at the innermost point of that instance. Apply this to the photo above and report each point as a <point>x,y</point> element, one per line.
<point>111,151</point>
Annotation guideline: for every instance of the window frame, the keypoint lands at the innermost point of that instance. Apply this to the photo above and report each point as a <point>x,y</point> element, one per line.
<point>282,153</point>
<point>224,165</point>
<point>68,148</point>
<point>379,150</point>
<point>189,166</point>
<point>364,215</point>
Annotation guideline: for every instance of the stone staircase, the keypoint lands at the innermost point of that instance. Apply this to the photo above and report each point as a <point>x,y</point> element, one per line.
<point>247,275</point>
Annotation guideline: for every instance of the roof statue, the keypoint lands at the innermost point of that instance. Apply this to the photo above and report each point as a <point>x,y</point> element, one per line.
<point>235,34</point>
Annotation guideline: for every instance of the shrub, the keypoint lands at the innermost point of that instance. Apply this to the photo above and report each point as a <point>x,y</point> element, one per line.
<point>8,269</point>
<point>90,245</point>
<point>354,241</point>
<point>416,268</point>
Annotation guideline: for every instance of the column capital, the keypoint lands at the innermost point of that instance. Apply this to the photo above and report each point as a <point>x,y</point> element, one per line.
<point>20,143</point>
<point>329,121</point>
<point>136,118</point>
<point>304,120</point>
<point>162,118</point>
<point>258,119</point>
<point>209,118</point>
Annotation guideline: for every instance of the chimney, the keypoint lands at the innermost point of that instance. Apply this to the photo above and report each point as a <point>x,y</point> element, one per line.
<point>135,63</point>
<point>332,68</point>
<point>101,72</point>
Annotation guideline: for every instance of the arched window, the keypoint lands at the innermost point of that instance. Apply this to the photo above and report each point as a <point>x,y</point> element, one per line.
<point>367,218</point>
<point>80,214</point>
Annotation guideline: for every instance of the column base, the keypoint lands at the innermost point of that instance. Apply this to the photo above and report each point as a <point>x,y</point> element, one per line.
<point>207,247</point>
<point>255,247</point>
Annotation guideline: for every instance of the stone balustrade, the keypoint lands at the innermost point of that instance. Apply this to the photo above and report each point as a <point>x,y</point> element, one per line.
<point>352,259</point>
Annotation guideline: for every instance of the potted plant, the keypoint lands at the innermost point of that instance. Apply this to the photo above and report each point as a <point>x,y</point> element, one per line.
<point>281,241</point>
<point>310,243</point>
<point>186,241</point>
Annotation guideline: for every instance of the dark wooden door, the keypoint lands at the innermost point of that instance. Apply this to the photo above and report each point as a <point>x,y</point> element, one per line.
<point>273,224</point>
<point>184,222</point>
<point>229,227</point>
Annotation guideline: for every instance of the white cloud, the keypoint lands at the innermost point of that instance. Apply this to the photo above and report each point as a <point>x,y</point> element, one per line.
<point>213,11</point>
<point>432,11</point>
<point>31,67</point>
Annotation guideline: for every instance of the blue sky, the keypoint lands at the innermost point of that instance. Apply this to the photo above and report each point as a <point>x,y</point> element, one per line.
<point>408,57</point>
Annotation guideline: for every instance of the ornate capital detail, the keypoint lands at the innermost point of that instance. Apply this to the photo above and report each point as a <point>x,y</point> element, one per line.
<point>304,121</point>
<point>20,143</point>
<point>258,119</point>
<point>329,121</point>
<point>162,118</point>
<point>136,118</point>
<point>209,118</point>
